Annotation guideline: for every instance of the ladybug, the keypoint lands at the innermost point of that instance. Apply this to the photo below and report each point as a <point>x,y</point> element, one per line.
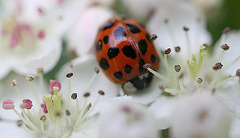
<point>122,47</point>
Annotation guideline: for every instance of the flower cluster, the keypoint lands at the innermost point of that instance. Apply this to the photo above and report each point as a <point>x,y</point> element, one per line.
<point>193,94</point>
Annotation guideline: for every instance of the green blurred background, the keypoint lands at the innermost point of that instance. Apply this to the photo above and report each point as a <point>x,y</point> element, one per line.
<point>228,15</point>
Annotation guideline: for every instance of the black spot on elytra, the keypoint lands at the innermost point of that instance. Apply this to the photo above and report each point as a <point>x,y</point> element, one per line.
<point>118,75</point>
<point>148,37</point>
<point>112,52</point>
<point>99,45</point>
<point>142,44</point>
<point>119,33</point>
<point>108,25</point>
<point>153,59</point>
<point>140,84</point>
<point>127,69</point>
<point>104,64</point>
<point>133,28</point>
<point>106,39</point>
<point>129,52</point>
<point>141,69</point>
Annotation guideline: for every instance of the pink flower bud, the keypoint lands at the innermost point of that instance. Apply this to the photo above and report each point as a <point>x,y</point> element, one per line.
<point>56,84</point>
<point>8,104</point>
<point>28,103</point>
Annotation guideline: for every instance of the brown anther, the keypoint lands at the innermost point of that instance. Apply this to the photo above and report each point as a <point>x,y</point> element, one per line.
<point>19,123</point>
<point>69,75</point>
<point>43,118</point>
<point>126,109</point>
<point>68,113</point>
<point>14,83</point>
<point>101,92</point>
<point>199,80</point>
<point>153,37</point>
<point>145,66</point>
<point>40,71</point>
<point>58,114</point>
<point>161,87</point>
<point>177,68</point>
<point>166,21</point>
<point>97,70</point>
<point>226,30</point>
<point>87,94</point>
<point>74,96</point>
<point>30,78</point>
<point>181,76</point>
<point>177,49</point>
<point>168,51</point>
<point>185,28</point>
<point>225,47</point>
<point>217,66</point>
<point>238,73</point>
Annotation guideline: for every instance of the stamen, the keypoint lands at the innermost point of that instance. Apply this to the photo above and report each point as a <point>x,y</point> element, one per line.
<point>40,72</point>
<point>199,81</point>
<point>14,84</point>
<point>30,78</point>
<point>74,96</point>
<point>177,49</point>
<point>225,47</point>
<point>226,30</point>
<point>155,73</point>
<point>97,70</point>
<point>68,113</point>
<point>153,37</point>
<point>167,51</point>
<point>177,68</point>
<point>217,66</point>
<point>69,76</point>
<point>91,80</point>
<point>186,29</point>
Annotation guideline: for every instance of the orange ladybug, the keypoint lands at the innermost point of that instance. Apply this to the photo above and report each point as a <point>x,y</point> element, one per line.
<point>122,47</point>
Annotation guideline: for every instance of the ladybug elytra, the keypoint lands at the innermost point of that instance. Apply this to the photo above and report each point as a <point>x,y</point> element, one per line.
<point>122,48</point>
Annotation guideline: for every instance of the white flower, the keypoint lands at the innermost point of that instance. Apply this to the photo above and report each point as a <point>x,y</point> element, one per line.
<point>129,120</point>
<point>83,31</point>
<point>65,112</point>
<point>186,70</point>
<point>200,115</point>
<point>27,42</point>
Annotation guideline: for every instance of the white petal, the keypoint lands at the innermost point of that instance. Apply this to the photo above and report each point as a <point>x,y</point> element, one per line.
<point>162,110</point>
<point>83,70</point>
<point>10,129</point>
<point>83,32</point>
<point>46,57</point>
<point>230,97</point>
<point>172,33</point>
<point>200,115</point>
<point>136,122</point>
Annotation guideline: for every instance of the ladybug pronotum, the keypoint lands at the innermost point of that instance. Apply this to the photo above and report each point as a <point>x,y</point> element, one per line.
<point>122,48</point>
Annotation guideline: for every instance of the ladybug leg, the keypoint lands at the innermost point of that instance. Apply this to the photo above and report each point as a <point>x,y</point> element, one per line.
<point>138,83</point>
